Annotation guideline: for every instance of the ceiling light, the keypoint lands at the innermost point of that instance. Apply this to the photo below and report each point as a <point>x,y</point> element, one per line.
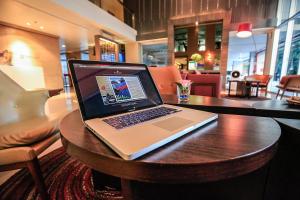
<point>63,46</point>
<point>28,24</point>
<point>41,27</point>
<point>244,30</point>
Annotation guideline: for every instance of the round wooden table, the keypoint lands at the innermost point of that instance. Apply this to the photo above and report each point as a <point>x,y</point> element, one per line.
<point>230,147</point>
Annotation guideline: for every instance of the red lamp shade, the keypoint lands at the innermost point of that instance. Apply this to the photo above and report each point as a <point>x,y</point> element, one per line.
<point>244,30</point>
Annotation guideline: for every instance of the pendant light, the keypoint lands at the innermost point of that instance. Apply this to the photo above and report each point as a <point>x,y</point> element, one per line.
<point>244,30</point>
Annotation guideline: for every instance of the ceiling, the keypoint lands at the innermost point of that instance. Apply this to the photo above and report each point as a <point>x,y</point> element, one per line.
<point>75,30</point>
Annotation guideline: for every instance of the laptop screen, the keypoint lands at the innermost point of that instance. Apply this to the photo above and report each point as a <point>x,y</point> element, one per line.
<point>105,89</point>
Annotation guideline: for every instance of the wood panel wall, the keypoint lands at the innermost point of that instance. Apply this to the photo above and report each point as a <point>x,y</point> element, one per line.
<point>152,16</point>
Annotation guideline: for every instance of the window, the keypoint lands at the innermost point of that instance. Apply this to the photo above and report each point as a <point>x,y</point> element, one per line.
<point>181,38</point>
<point>293,64</point>
<point>201,38</point>
<point>218,36</point>
<point>284,11</point>
<point>155,54</point>
<point>297,5</point>
<point>279,59</point>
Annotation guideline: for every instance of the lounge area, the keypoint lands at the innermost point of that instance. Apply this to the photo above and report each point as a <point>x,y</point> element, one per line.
<point>146,100</point>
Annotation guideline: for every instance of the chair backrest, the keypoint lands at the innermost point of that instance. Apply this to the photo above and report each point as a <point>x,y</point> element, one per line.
<point>289,80</point>
<point>165,78</point>
<point>293,82</point>
<point>265,79</point>
<point>206,84</point>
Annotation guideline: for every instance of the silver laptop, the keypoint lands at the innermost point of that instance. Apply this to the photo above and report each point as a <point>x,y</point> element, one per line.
<point>120,104</point>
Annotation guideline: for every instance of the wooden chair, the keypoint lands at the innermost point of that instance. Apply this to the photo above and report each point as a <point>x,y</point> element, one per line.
<point>25,130</point>
<point>290,83</point>
<point>264,81</point>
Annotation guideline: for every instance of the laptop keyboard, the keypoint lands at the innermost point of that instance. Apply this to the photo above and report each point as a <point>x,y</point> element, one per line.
<point>139,117</point>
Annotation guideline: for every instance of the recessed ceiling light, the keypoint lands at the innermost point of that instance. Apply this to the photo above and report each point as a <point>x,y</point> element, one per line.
<point>28,23</point>
<point>41,27</point>
<point>63,46</point>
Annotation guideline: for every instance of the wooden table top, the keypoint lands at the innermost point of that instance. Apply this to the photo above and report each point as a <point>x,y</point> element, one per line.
<point>267,108</point>
<point>231,146</point>
<point>211,104</point>
<point>243,80</point>
<point>292,123</point>
<point>276,108</point>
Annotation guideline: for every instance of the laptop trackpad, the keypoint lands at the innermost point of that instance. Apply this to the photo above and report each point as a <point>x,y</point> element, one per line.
<point>172,123</point>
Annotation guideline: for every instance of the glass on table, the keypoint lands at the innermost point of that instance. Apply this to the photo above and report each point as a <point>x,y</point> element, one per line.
<point>183,90</point>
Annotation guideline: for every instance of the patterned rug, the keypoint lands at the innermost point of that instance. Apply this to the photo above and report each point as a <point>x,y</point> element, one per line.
<point>65,178</point>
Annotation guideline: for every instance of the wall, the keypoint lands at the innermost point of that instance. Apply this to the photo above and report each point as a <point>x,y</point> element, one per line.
<point>223,16</point>
<point>192,43</point>
<point>152,16</point>
<point>113,7</point>
<point>132,52</point>
<point>33,49</point>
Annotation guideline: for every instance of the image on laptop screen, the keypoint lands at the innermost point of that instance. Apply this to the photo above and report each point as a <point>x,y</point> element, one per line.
<point>118,89</point>
<point>110,89</point>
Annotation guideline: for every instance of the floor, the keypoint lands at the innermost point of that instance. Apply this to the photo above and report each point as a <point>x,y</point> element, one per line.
<point>67,101</point>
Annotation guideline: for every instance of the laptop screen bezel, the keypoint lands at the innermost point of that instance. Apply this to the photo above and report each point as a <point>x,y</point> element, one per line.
<point>77,90</point>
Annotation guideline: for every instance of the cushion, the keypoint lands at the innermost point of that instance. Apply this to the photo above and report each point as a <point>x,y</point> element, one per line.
<point>26,153</point>
<point>27,132</point>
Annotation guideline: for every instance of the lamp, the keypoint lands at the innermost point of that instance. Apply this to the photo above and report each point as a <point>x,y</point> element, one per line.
<point>244,30</point>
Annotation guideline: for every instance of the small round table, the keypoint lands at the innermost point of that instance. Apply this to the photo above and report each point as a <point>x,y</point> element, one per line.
<point>230,147</point>
<point>244,87</point>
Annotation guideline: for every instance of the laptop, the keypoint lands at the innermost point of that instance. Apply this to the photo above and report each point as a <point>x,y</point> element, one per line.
<point>121,105</point>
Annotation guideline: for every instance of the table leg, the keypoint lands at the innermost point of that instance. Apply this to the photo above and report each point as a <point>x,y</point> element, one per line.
<point>127,191</point>
<point>229,88</point>
<point>101,180</point>
<point>247,90</point>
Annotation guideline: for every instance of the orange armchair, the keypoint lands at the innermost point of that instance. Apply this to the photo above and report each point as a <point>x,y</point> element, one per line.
<point>165,78</point>
<point>290,83</point>
<point>264,81</point>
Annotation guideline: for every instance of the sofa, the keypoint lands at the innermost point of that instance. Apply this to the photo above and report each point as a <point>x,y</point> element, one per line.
<point>165,79</point>
<point>205,84</point>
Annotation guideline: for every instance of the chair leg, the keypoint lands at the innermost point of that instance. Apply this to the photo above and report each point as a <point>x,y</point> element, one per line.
<point>266,92</point>
<point>35,170</point>
<point>277,93</point>
<point>282,94</point>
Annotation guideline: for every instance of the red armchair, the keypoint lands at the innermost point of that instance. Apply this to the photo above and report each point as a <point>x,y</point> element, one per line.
<point>206,84</point>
